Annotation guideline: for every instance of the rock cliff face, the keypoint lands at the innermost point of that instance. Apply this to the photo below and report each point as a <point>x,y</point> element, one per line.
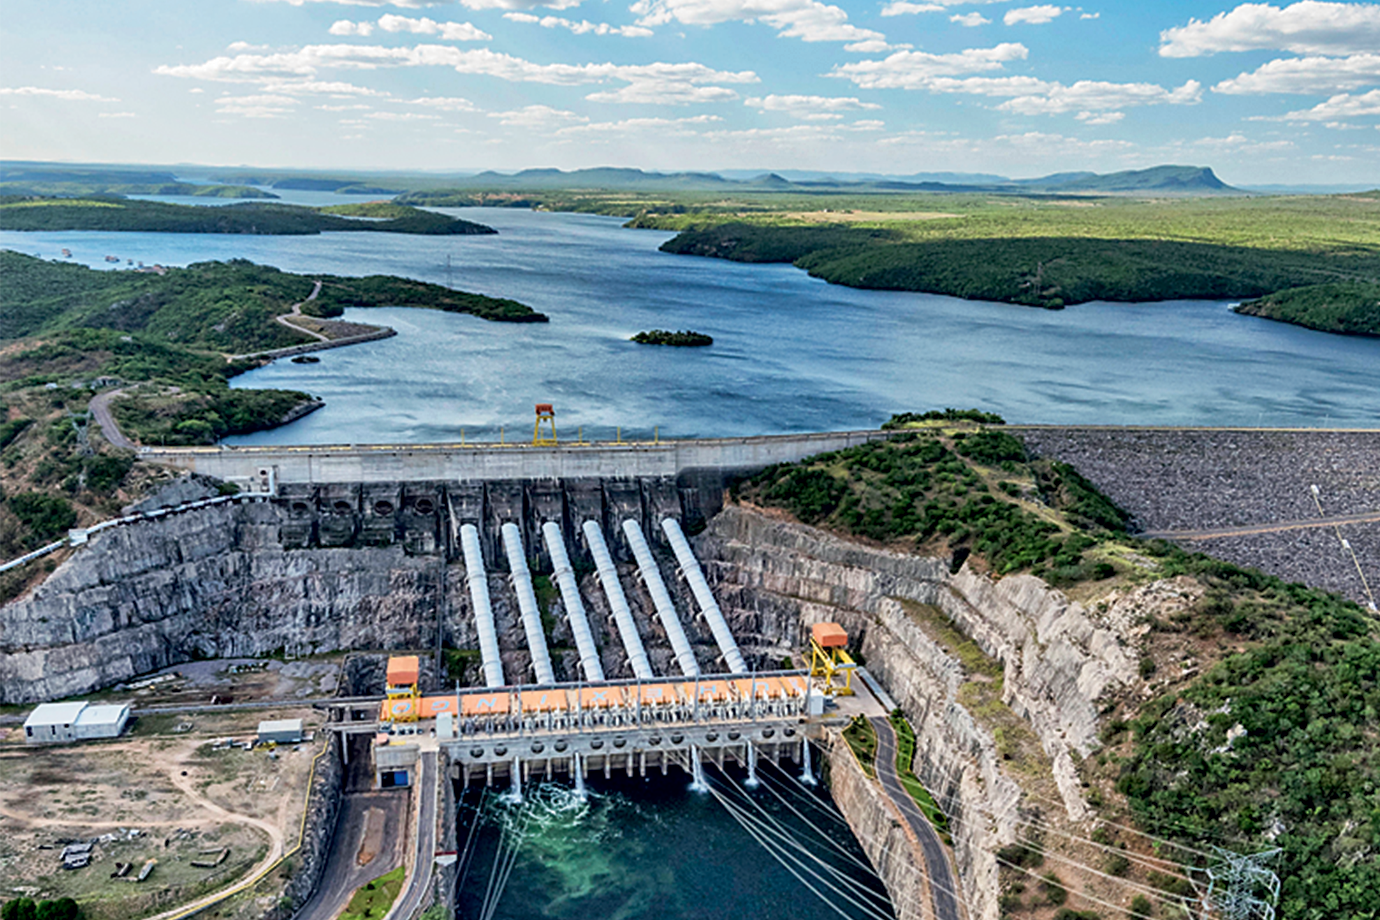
<point>212,583</point>
<point>219,582</point>
<point>775,578</point>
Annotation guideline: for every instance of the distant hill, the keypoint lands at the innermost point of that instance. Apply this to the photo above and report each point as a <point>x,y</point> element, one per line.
<point>1155,179</point>
<point>18,178</point>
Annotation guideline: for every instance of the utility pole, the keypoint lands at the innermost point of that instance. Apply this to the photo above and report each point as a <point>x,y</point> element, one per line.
<point>1241,887</point>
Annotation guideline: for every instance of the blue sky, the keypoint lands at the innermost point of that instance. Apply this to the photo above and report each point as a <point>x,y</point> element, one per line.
<point>1264,93</point>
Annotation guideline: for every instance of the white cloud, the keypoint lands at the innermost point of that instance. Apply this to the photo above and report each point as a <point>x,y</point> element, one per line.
<point>1306,76</point>
<point>450,31</point>
<point>117,115</point>
<point>306,62</point>
<point>808,20</point>
<point>67,95</point>
<point>266,105</point>
<point>915,69</point>
<point>1087,96</point>
<point>245,46</point>
<point>663,92</point>
<point>1100,118</point>
<point>582,27</point>
<point>1034,15</point>
<point>1091,16</point>
<point>402,116</point>
<point>346,27</point>
<point>1340,106</point>
<point>971,20</point>
<point>404,4</point>
<point>347,107</point>
<point>446,103</point>
<point>810,108</point>
<point>1308,27</point>
<point>536,116</point>
<point>677,127</point>
<point>903,7</point>
<point>338,88</point>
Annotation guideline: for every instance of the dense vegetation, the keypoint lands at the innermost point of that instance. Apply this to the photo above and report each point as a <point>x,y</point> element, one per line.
<point>682,339</point>
<point>1351,308</point>
<point>112,213</point>
<point>957,494</point>
<point>1278,744</point>
<point>29,909</point>
<point>70,182</point>
<point>911,419</point>
<point>216,306</point>
<point>1046,272</point>
<point>338,292</point>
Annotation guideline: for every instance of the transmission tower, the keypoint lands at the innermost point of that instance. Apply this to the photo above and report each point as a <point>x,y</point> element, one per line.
<point>1241,887</point>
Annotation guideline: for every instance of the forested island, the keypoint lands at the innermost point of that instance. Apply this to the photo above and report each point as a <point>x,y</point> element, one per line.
<point>683,339</point>
<point>120,214</point>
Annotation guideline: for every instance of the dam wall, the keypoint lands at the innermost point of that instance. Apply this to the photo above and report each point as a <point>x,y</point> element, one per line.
<point>459,462</point>
<point>774,578</point>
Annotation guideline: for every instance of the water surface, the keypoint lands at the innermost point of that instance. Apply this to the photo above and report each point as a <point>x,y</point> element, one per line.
<point>791,353</point>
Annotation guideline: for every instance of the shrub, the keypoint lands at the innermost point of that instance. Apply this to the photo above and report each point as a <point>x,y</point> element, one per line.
<point>45,516</point>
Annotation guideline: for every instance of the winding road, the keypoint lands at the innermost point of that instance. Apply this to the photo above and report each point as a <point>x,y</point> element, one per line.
<point>100,411</point>
<point>419,873</point>
<point>941,879</point>
<point>283,318</point>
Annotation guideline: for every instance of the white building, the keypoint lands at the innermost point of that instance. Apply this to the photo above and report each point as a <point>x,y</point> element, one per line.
<point>55,723</point>
<point>281,731</point>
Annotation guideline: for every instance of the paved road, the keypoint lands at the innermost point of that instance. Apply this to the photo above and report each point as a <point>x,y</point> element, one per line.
<point>1246,530</point>
<point>282,318</point>
<point>936,858</point>
<point>100,411</point>
<point>343,872</point>
<point>419,874</point>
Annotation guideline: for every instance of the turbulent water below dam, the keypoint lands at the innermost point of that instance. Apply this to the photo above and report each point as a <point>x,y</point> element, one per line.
<point>791,353</point>
<point>653,848</point>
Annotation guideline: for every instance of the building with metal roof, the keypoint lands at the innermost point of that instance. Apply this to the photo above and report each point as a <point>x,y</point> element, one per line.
<point>56,723</point>
<point>280,731</point>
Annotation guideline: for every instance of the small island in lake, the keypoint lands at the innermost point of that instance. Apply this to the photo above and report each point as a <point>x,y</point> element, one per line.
<point>306,359</point>
<point>686,339</point>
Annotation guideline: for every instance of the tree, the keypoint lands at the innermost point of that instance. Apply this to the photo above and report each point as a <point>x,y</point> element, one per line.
<point>19,909</point>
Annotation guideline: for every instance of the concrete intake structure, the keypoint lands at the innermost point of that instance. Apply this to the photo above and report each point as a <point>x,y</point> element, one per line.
<point>574,607</point>
<point>483,609</point>
<point>527,604</point>
<point>661,599</point>
<point>618,603</point>
<point>690,568</point>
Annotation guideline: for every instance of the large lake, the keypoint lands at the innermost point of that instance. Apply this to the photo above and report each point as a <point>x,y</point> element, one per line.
<point>791,353</point>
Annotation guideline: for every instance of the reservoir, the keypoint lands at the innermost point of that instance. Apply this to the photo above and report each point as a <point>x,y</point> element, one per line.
<point>791,353</point>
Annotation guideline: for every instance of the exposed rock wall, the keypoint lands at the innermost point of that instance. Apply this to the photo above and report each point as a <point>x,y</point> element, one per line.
<point>213,583</point>
<point>881,833</point>
<point>775,578</point>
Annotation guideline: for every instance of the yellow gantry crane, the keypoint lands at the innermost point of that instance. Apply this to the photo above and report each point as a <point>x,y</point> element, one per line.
<point>546,418</point>
<point>830,660</point>
<point>404,696</point>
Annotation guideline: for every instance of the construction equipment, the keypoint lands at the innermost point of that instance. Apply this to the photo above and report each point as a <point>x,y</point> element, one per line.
<point>404,695</point>
<point>546,413</point>
<point>829,658</point>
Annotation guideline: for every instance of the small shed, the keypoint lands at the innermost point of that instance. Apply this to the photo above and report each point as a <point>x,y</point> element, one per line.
<point>52,723</point>
<point>102,721</point>
<point>280,731</point>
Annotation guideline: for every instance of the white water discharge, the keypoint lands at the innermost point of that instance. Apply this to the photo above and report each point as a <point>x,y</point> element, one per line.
<point>698,783</point>
<point>579,777</point>
<point>807,775</point>
<point>751,765</point>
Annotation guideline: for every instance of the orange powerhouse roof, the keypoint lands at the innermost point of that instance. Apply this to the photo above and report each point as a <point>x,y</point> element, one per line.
<point>485,704</point>
<point>600,697</point>
<point>711,691</point>
<point>403,670</point>
<point>659,695</point>
<point>745,685</point>
<point>545,701</point>
<point>829,635</point>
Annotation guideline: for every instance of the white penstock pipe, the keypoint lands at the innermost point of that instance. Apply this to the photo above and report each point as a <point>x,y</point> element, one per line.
<point>483,609</point>
<point>690,566</point>
<point>618,603</point>
<point>527,605</point>
<point>661,599</point>
<point>574,607</point>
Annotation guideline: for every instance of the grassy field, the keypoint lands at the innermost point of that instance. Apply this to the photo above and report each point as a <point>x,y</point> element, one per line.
<point>372,900</point>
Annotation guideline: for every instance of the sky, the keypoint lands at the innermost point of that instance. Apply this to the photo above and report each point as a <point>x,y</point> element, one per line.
<point>1263,93</point>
